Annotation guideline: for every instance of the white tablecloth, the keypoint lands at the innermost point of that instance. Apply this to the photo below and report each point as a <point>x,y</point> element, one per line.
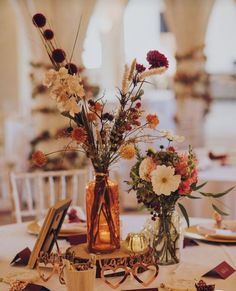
<point>195,260</point>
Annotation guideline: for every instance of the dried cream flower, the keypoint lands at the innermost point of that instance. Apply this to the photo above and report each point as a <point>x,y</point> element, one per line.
<point>70,106</point>
<point>50,77</point>
<point>170,136</point>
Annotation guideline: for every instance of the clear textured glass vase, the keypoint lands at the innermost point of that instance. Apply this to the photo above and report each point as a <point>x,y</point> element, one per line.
<point>102,207</point>
<point>164,236</point>
<point>166,240</point>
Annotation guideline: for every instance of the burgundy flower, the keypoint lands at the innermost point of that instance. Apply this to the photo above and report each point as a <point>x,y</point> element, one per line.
<point>72,68</point>
<point>138,105</point>
<point>39,20</point>
<point>58,55</point>
<point>157,60</point>
<point>48,34</point>
<point>140,68</point>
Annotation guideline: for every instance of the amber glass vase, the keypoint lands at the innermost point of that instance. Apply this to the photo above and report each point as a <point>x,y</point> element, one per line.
<point>102,207</point>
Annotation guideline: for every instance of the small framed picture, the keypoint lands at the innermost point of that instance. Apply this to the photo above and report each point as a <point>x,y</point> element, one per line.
<point>49,231</point>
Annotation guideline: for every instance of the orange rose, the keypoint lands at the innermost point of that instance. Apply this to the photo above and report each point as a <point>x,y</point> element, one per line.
<point>39,158</point>
<point>152,120</point>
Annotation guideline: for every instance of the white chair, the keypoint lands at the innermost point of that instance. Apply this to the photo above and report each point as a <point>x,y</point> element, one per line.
<point>5,198</point>
<point>33,193</point>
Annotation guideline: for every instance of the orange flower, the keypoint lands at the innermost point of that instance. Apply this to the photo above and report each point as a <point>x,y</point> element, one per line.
<point>152,120</point>
<point>39,158</point>
<point>127,151</point>
<point>79,135</point>
<point>91,116</point>
<point>98,106</point>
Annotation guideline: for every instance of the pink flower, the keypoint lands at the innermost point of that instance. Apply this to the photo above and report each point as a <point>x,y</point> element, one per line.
<point>194,176</point>
<point>184,188</point>
<point>182,167</point>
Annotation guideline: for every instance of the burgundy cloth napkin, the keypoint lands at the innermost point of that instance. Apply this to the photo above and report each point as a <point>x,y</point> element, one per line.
<point>22,257</point>
<point>188,242</point>
<point>34,287</point>
<point>77,239</point>
<point>223,271</point>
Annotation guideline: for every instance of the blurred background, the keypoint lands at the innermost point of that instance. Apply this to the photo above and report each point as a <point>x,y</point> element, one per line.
<point>195,98</point>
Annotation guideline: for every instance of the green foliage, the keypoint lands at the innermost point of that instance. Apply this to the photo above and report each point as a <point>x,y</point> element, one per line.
<point>184,212</point>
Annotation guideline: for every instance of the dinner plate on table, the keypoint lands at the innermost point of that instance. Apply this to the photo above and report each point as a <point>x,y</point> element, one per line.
<point>209,232</point>
<point>67,229</point>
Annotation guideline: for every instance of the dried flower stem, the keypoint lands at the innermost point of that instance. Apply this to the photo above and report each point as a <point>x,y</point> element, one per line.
<point>152,72</point>
<point>124,87</point>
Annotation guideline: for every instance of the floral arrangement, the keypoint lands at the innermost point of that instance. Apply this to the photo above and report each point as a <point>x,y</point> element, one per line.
<point>160,179</point>
<point>163,177</point>
<point>103,136</point>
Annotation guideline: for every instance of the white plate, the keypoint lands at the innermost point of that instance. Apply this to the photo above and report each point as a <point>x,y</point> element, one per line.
<point>227,230</point>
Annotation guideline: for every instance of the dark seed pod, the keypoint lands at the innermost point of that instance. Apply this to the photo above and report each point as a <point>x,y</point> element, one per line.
<point>91,102</point>
<point>58,55</point>
<point>39,20</point>
<point>72,68</point>
<point>48,34</point>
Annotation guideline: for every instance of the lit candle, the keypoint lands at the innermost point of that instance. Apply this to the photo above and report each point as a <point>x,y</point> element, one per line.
<point>136,242</point>
<point>104,234</point>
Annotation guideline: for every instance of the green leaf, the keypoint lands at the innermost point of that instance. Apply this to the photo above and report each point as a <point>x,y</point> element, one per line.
<point>217,195</point>
<point>206,194</point>
<point>184,212</point>
<point>197,187</point>
<point>219,210</point>
<point>192,197</point>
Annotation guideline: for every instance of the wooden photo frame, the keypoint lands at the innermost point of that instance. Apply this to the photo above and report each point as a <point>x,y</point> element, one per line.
<point>49,231</point>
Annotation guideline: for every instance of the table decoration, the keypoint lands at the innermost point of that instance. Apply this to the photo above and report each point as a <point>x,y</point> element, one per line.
<point>103,136</point>
<point>49,231</point>
<point>162,178</point>
<point>136,242</point>
<point>120,263</point>
<point>80,275</point>
<point>51,263</point>
<point>134,266</point>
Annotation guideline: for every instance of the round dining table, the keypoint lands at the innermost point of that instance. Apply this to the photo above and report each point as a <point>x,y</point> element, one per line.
<point>195,260</point>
